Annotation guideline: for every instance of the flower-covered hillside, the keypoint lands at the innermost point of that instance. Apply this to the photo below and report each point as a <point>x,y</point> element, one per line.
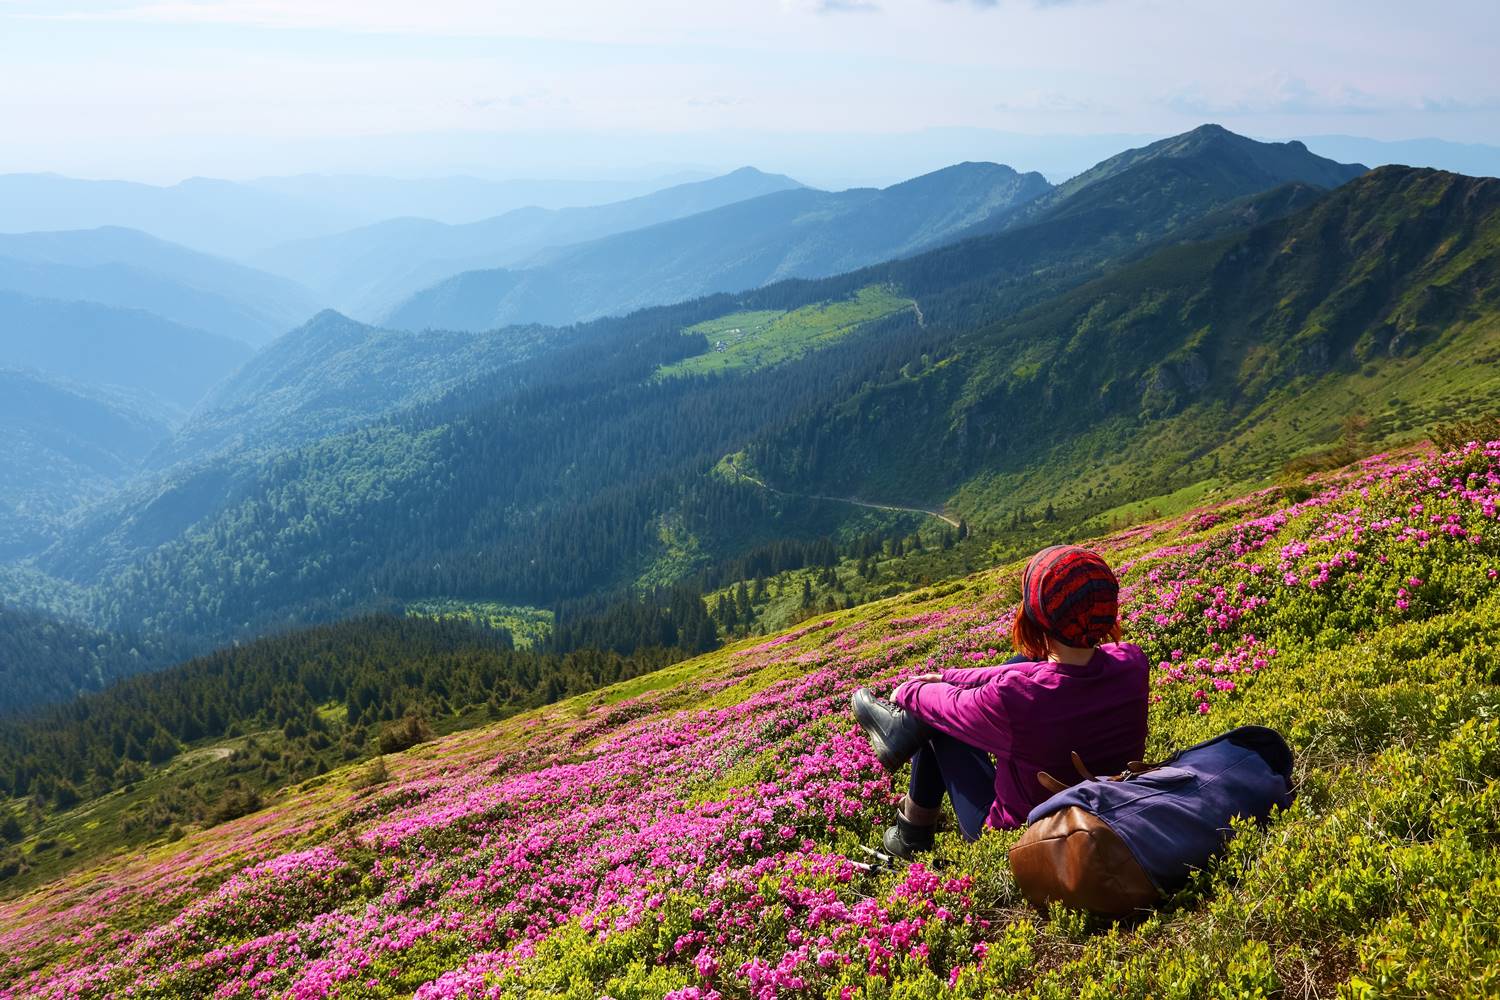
<point>697,832</point>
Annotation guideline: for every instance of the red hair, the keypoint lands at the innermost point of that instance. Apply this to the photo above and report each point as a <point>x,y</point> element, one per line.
<point>1031,642</point>
<point>1028,638</point>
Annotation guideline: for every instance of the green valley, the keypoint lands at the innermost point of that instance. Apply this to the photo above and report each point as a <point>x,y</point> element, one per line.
<point>550,476</point>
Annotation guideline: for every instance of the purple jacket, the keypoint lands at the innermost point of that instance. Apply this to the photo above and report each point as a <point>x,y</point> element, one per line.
<point>1031,716</point>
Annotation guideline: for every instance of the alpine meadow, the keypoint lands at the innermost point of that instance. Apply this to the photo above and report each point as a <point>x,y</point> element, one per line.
<point>856,501</point>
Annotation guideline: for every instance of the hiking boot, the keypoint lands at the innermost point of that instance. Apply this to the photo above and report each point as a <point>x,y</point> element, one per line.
<point>895,734</point>
<point>907,838</point>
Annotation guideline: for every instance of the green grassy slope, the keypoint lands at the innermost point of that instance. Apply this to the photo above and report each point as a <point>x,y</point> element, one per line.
<point>763,338</point>
<point>694,832</point>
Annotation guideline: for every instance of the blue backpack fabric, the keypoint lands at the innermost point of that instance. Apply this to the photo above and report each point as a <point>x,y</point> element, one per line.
<point>1175,817</point>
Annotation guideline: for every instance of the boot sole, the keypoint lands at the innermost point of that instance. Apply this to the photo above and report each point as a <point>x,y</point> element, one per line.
<point>877,742</point>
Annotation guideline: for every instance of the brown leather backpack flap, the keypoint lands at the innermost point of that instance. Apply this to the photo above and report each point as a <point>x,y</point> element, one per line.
<point>1074,858</point>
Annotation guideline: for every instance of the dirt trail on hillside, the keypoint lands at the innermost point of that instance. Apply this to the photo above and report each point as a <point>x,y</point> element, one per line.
<point>850,500</point>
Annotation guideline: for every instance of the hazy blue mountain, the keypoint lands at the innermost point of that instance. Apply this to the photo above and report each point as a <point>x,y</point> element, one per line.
<point>129,269</point>
<point>63,444</point>
<point>213,216</point>
<point>332,374</point>
<point>790,234</point>
<point>367,271</point>
<point>1474,159</point>
<point>102,345</point>
<point>458,199</point>
<point>236,219</point>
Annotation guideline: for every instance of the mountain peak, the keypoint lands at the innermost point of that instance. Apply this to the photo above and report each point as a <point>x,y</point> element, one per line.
<point>1270,163</point>
<point>747,175</point>
<point>327,319</point>
<point>329,329</point>
<point>970,173</point>
<point>1211,128</point>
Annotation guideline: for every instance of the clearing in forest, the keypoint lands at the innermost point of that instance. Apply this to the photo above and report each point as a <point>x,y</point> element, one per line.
<point>766,337</point>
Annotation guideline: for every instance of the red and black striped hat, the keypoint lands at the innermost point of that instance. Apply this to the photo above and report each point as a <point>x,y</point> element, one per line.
<point>1071,593</point>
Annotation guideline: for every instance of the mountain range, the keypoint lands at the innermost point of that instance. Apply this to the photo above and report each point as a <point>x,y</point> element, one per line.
<point>800,233</point>
<point>128,269</point>
<point>365,271</point>
<point>240,218</point>
<point>564,470</point>
<point>1183,318</point>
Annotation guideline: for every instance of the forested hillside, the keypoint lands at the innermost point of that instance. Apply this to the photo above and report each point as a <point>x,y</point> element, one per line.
<point>332,374</point>
<point>1375,310</point>
<point>77,659</point>
<point>63,444</point>
<point>279,710</point>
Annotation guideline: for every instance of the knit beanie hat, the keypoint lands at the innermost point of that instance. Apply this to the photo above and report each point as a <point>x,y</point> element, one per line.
<point>1071,593</point>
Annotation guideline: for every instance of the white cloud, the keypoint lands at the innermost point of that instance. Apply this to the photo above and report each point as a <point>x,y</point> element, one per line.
<point>1282,94</point>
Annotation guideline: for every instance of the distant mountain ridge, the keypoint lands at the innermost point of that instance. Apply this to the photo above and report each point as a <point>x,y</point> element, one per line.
<point>103,345</point>
<point>209,215</point>
<point>791,234</point>
<point>241,218</point>
<point>366,271</point>
<point>128,269</point>
<point>1208,165</point>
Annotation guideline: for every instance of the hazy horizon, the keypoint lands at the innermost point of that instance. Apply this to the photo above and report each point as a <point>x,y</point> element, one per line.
<point>833,92</point>
<point>1057,157</point>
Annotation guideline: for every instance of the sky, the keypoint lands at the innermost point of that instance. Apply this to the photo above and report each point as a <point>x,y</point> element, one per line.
<point>163,89</point>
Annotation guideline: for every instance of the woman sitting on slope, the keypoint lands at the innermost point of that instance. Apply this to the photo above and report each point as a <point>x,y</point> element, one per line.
<point>1068,691</point>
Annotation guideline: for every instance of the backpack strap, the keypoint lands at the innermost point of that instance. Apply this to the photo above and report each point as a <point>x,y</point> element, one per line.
<point>1132,768</point>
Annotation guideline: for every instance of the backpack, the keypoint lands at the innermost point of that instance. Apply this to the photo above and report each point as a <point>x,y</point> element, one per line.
<point>1119,844</point>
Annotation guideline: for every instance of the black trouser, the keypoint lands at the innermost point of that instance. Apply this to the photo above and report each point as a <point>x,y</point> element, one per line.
<point>965,773</point>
